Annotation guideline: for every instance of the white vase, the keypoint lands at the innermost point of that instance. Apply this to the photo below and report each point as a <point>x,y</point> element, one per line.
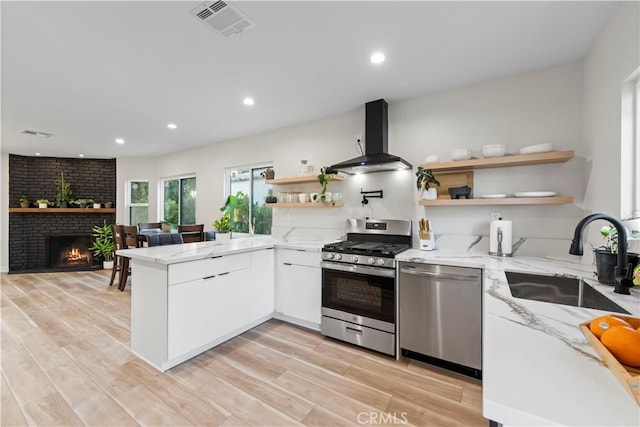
<point>42,205</point>
<point>223,237</point>
<point>430,194</point>
<point>107,265</point>
<point>97,206</point>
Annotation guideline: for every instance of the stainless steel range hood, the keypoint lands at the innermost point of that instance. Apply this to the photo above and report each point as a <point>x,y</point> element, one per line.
<point>376,158</point>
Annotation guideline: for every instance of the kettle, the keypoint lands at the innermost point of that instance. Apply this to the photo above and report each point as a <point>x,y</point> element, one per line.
<point>500,238</point>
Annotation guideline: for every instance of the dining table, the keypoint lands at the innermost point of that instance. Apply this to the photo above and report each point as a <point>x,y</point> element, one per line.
<point>144,234</point>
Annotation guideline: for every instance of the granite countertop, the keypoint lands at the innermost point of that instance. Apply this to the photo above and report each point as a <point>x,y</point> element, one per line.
<point>538,368</point>
<point>172,254</point>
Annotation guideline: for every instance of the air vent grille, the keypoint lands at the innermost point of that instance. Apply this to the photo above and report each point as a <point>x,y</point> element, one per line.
<point>36,133</point>
<point>223,18</point>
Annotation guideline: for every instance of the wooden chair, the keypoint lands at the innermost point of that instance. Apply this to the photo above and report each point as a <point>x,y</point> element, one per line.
<point>148,225</point>
<point>191,233</point>
<point>117,233</point>
<point>129,240</point>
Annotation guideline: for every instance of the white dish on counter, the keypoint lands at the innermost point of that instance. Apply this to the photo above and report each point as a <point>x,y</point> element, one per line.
<point>536,194</point>
<point>538,148</point>
<point>493,196</point>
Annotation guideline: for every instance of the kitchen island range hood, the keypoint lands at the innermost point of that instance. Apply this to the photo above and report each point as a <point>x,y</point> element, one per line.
<point>376,158</point>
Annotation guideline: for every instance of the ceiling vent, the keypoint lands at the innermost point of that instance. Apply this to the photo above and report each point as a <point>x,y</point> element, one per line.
<point>36,133</point>
<point>224,19</point>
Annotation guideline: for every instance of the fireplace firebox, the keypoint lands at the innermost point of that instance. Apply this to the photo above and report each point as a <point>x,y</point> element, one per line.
<point>70,252</point>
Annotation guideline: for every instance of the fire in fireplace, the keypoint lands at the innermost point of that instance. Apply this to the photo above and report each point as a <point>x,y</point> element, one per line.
<point>70,252</point>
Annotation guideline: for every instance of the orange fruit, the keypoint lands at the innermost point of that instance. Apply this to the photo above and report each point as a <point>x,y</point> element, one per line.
<point>624,343</point>
<point>602,323</point>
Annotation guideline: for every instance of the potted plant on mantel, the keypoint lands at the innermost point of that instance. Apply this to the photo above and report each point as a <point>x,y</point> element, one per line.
<point>63,197</point>
<point>24,202</point>
<point>43,203</point>
<point>103,245</point>
<point>425,179</point>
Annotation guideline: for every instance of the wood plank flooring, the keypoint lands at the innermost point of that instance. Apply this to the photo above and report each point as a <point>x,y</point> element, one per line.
<point>66,362</point>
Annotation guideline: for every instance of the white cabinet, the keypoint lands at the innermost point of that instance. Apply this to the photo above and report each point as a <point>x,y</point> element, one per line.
<point>299,287</point>
<point>180,310</point>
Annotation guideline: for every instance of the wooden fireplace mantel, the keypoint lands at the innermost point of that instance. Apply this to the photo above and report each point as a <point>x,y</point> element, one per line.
<point>63,210</point>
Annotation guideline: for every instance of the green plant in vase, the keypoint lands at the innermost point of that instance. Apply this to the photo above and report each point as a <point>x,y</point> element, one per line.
<point>64,195</point>
<point>103,246</point>
<point>323,179</point>
<point>425,179</point>
<point>24,202</point>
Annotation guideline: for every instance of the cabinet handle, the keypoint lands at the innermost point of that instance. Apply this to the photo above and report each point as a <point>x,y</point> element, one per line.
<point>209,277</point>
<point>354,331</point>
<point>223,274</point>
<point>217,256</point>
<point>287,263</point>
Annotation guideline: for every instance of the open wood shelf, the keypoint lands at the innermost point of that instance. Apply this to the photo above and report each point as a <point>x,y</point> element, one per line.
<point>63,210</point>
<point>504,161</point>
<point>302,179</point>
<point>558,200</point>
<point>305,205</point>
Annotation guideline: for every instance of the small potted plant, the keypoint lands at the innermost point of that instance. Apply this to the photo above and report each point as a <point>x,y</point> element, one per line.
<point>63,197</point>
<point>103,245</point>
<point>425,179</point>
<point>223,227</point>
<point>165,226</point>
<point>108,205</point>
<point>271,199</point>
<point>323,179</point>
<point>607,255</point>
<point>268,174</point>
<point>24,202</point>
<point>97,205</point>
<point>83,203</point>
<point>43,203</point>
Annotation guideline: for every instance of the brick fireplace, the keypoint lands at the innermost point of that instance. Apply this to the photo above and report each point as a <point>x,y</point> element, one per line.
<point>31,234</point>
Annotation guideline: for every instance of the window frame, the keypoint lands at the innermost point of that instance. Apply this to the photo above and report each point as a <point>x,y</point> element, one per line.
<point>178,178</point>
<point>630,147</point>
<point>227,185</point>
<point>128,204</point>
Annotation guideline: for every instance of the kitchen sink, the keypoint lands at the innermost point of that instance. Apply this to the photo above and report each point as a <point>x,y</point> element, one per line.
<point>559,290</point>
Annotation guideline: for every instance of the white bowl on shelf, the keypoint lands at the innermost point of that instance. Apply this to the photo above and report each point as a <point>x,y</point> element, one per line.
<point>538,148</point>
<point>494,150</point>
<point>461,154</point>
<point>432,158</point>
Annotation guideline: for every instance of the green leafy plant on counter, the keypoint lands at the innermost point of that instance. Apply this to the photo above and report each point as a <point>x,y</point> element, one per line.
<point>610,235</point>
<point>103,245</point>
<point>223,224</point>
<point>425,178</point>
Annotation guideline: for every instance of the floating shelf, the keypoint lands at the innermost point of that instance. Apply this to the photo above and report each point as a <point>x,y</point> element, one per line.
<point>506,201</point>
<point>504,161</point>
<point>302,179</point>
<point>63,210</point>
<point>305,205</point>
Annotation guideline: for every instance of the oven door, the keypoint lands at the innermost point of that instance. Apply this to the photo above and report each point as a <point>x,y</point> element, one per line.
<point>366,295</point>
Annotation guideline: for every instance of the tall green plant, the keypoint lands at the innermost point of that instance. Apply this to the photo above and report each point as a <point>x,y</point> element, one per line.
<point>64,194</point>
<point>103,245</point>
<point>237,209</point>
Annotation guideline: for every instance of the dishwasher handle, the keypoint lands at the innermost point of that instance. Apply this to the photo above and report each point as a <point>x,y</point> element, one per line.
<point>443,276</point>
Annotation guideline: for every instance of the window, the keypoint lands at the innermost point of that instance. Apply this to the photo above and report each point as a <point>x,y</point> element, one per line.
<point>630,147</point>
<point>178,200</point>
<point>249,190</point>
<point>137,201</point>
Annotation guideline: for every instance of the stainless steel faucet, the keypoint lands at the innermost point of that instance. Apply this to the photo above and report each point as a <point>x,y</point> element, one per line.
<point>622,281</point>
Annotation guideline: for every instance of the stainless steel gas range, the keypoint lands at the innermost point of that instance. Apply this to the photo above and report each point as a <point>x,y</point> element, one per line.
<point>359,286</point>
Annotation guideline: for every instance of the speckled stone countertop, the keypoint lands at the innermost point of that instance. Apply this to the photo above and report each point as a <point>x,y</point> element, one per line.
<point>538,368</point>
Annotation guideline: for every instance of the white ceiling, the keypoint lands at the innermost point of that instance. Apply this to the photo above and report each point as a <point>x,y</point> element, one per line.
<point>90,72</point>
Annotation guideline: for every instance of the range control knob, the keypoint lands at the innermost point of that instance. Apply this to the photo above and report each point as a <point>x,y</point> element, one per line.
<point>338,256</point>
<point>371,261</point>
<point>329,255</point>
<point>354,258</point>
<point>380,261</point>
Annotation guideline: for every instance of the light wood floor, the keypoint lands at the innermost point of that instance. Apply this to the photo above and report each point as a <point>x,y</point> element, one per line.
<point>66,361</point>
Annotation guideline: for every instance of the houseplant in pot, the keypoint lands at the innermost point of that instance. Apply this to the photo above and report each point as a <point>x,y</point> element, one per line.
<point>323,179</point>
<point>268,174</point>
<point>43,203</point>
<point>425,179</point>
<point>223,227</point>
<point>24,202</point>
<point>607,256</point>
<point>64,195</point>
<point>103,245</point>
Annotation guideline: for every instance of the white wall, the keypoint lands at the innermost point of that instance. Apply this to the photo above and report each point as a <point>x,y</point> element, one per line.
<point>4,213</point>
<point>543,106</point>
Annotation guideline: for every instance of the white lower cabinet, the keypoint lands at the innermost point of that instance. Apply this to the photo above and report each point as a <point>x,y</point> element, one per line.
<point>299,287</point>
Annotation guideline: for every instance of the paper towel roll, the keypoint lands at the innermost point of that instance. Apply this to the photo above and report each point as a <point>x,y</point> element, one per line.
<point>500,238</point>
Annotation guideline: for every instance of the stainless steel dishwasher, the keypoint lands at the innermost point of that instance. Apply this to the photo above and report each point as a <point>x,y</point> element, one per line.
<point>440,315</point>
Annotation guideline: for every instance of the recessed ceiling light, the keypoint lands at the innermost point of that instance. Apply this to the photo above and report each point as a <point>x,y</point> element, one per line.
<point>248,101</point>
<point>37,154</point>
<point>172,126</point>
<point>119,141</point>
<point>80,155</point>
<point>377,58</point>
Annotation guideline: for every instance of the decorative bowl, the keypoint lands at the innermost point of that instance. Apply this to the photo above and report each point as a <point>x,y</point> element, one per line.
<point>461,154</point>
<point>494,150</point>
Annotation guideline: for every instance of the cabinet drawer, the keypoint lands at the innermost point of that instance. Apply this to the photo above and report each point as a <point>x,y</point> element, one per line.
<point>192,270</point>
<point>292,256</point>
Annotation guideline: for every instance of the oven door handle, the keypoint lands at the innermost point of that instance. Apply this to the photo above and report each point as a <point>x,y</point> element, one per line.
<point>352,268</point>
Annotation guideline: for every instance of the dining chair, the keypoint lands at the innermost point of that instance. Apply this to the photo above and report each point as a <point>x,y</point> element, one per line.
<point>130,240</point>
<point>117,233</point>
<point>164,239</point>
<point>191,233</point>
